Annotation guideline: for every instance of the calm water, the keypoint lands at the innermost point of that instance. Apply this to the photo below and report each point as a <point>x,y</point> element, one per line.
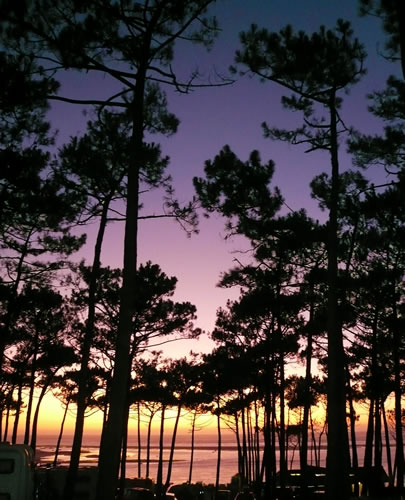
<point>205,457</point>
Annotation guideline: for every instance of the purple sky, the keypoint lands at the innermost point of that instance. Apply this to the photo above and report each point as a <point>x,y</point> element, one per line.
<point>211,118</point>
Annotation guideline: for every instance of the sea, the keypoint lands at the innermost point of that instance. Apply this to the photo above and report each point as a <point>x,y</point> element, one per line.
<point>204,460</point>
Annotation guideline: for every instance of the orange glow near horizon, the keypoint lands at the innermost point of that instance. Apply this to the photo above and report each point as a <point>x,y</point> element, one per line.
<point>51,416</point>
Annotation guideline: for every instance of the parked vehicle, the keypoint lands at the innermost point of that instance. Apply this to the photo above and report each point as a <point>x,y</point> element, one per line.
<point>16,472</point>
<point>186,491</point>
<point>138,494</point>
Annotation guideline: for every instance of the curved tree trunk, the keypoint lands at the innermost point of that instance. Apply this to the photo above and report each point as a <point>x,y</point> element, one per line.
<point>58,442</point>
<point>85,358</point>
<point>34,432</point>
<point>172,448</point>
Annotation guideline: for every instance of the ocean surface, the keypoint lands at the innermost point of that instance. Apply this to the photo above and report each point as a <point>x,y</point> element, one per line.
<point>204,462</point>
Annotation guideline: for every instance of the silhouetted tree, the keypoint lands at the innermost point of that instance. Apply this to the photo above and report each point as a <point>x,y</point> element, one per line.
<point>316,69</point>
<point>392,13</point>
<point>36,210</point>
<point>133,44</point>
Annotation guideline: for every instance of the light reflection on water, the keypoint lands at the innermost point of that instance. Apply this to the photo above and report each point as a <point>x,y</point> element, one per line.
<point>204,464</point>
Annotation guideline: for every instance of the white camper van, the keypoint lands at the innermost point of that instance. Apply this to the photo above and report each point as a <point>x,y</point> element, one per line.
<point>16,472</point>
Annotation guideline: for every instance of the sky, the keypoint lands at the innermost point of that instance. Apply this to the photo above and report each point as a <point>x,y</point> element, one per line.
<point>211,118</point>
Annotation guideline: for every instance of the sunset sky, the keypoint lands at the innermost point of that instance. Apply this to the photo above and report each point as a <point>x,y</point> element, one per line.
<point>213,117</point>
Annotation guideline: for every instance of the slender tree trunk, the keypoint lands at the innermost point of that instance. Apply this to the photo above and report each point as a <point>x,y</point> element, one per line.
<point>138,409</point>
<point>282,435</point>
<point>238,445</point>
<point>250,444</point>
<point>314,443</point>
<point>148,444</point>
<point>377,438</point>
<point>399,449</point>
<point>352,414</point>
<point>267,459</point>
<point>110,451</point>
<point>307,399</point>
<point>190,470</point>
<point>59,440</point>
<point>7,417</point>
<point>353,440</point>
<point>368,451</point>
<point>17,411</point>
<point>338,485</point>
<point>172,447</point>
<point>124,449</point>
<point>217,476</point>
<point>244,446</point>
<point>159,474</point>
<point>273,434</point>
<point>257,440</point>
<point>387,445</point>
<point>34,433</point>
<point>31,390</point>
<point>85,358</point>
<point>320,441</point>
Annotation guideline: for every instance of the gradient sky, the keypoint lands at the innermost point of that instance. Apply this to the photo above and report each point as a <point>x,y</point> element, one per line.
<point>213,117</point>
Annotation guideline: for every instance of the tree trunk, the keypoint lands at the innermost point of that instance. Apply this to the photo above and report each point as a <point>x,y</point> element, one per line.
<point>307,399</point>
<point>190,470</point>
<point>111,443</point>
<point>9,402</point>
<point>17,411</point>
<point>337,483</point>
<point>217,476</point>
<point>399,450</point>
<point>387,445</point>
<point>250,445</point>
<point>368,451</point>
<point>139,439</point>
<point>172,447</point>
<point>159,474</point>
<point>377,436</point>
<point>32,389</point>
<point>85,358</point>
<point>282,435</point>
<point>244,447</point>
<point>34,432</point>
<point>257,440</point>
<point>58,442</point>
<point>238,445</point>
<point>124,448</point>
<point>148,444</point>
<point>267,452</point>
